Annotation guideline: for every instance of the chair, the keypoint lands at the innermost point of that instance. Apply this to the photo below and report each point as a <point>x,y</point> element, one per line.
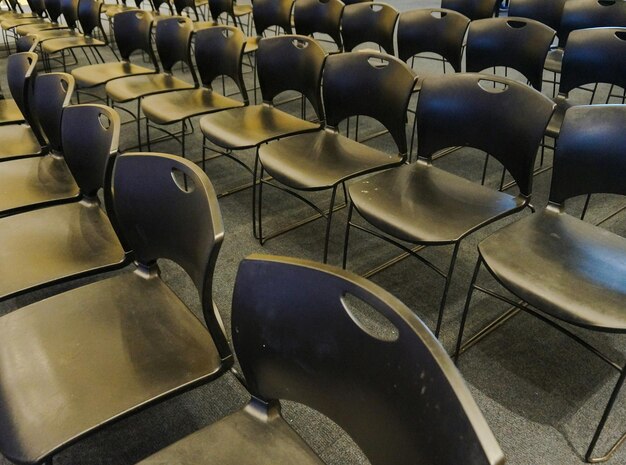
<point>473,9</point>
<point>407,403</point>
<point>182,6</point>
<point>298,57</point>
<point>362,83</point>
<point>268,13</point>
<point>319,16</point>
<point>53,13</point>
<point>373,22</point>
<point>110,10</point>
<point>232,10</point>
<point>427,206</point>
<point>218,52</point>
<point>34,182</point>
<point>173,43</point>
<point>38,10</point>
<point>128,338</point>
<point>562,267</point>
<point>548,13</point>
<point>63,242</point>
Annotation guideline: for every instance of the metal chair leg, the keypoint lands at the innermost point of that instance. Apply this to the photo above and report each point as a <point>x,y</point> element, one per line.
<point>346,238</point>
<point>328,223</point>
<point>468,300</point>
<point>442,304</point>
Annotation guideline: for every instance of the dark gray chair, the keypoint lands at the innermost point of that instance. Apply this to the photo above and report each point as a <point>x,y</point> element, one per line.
<point>562,267</point>
<point>299,337</point>
<point>473,9</point>
<point>369,22</point>
<point>548,13</point>
<point>80,360</point>
<point>319,17</point>
<point>424,205</point>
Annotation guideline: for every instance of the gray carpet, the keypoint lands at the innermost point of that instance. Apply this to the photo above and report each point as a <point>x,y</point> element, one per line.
<point>540,392</point>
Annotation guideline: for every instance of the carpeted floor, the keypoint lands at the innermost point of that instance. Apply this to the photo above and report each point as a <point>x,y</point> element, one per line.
<point>541,393</point>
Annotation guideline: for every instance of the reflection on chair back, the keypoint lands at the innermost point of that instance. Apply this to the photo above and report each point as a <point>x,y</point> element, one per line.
<point>21,71</point>
<point>507,121</point>
<point>89,17</point>
<point>52,93</point>
<point>548,13</point>
<point>133,31</point>
<point>69,8</point>
<point>299,333</point>
<point>473,9</point>
<point>583,14</point>
<point>173,43</point>
<point>53,7</point>
<point>268,13</point>
<point>369,22</point>
<point>321,16</point>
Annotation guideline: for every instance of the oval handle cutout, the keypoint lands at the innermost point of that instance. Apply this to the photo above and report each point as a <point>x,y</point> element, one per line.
<point>299,43</point>
<point>438,14</point>
<point>621,35</point>
<point>181,22</point>
<point>139,14</point>
<point>227,33</point>
<point>493,87</point>
<point>378,63</point>
<point>376,8</point>
<point>606,2</point>
<point>368,319</point>
<point>516,24</point>
<point>104,120</point>
<point>182,181</point>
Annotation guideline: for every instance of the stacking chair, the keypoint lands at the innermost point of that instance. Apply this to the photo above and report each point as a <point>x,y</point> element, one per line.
<point>9,110</point>
<point>371,22</point>
<point>427,206</point>
<point>548,13</point>
<point>183,6</point>
<point>562,267</point>
<point>33,182</point>
<point>69,11</point>
<point>110,10</point>
<point>231,10</point>
<point>14,10</point>
<point>173,43</point>
<point>38,10</point>
<point>87,357</point>
<point>53,15</point>
<point>61,242</point>
<point>218,52</point>
<point>299,339</point>
<point>284,63</point>
<point>473,9</point>
<point>319,16</point>
<point>361,83</point>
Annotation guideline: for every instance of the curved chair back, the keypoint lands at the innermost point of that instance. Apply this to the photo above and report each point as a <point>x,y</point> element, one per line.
<point>38,7</point>
<point>473,9</point>
<point>321,16</point>
<point>161,217</point>
<point>594,56</point>
<point>589,157</point>
<point>432,30</point>
<point>548,13</point>
<point>219,7</point>
<point>53,8</point>
<point>291,62</point>
<point>133,31</point>
<point>89,17</point>
<point>371,84</point>
<point>69,8</point>
<point>369,22</point>
<point>466,110</point>
<point>157,4</point>
<point>52,93</point>
<point>181,5</point>
<point>583,14</point>
<point>268,13</point>
<point>90,137</point>
<point>400,398</point>
<point>517,43</point>
<point>21,70</point>
<point>219,52</point>
<point>173,42</point>
<point>27,43</point>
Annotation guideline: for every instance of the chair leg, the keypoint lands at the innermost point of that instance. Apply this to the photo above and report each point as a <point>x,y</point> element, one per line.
<point>260,204</point>
<point>328,223</point>
<point>442,304</point>
<point>139,124</point>
<point>346,238</point>
<point>468,300</point>
<point>256,233</point>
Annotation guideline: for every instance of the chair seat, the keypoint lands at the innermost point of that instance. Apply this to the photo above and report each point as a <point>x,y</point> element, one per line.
<point>112,9</point>
<point>199,25</point>
<point>95,75</point>
<point>242,10</point>
<point>34,181</point>
<point>17,141</point>
<point>34,28</point>
<point>53,244</point>
<point>554,125</point>
<point>43,36</point>
<point>56,45</point>
<point>240,438</point>
<point>172,107</point>
<point>423,204</point>
<point>252,44</point>
<point>321,159</point>
<point>133,87</point>
<point>554,60</point>
<point>568,268</point>
<point>12,23</point>
<point>246,127</point>
<point>95,353</point>
<point>10,112</point>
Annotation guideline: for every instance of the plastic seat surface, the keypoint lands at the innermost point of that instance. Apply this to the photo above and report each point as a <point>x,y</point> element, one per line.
<point>56,45</point>
<point>17,141</point>
<point>90,76</point>
<point>554,60</point>
<point>132,87</point>
<point>10,112</point>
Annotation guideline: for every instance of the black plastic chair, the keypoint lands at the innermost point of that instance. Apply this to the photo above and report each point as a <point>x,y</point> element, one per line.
<point>97,353</point>
<point>319,16</point>
<point>559,266</point>
<point>272,13</point>
<point>548,13</point>
<point>473,9</point>
<point>218,52</point>
<point>110,10</point>
<point>69,10</point>
<point>53,13</point>
<point>38,10</point>
<point>407,404</point>
<point>173,43</point>
<point>369,22</point>
<point>427,206</point>
<point>33,182</point>
<point>231,10</point>
<point>362,83</point>
<point>63,242</point>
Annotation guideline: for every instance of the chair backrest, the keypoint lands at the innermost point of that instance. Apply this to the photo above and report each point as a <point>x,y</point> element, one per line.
<point>507,122</point>
<point>590,157</point>
<point>268,13</point>
<point>157,4</point>
<point>594,55</point>
<point>398,395</point>
<point>53,8</point>
<point>218,7</point>
<point>583,14</point>
<point>473,9</point>
<point>369,22</point>
<point>546,12</point>
<point>89,17</point>
<point>517,43</point>
<point>52,93</point>
<point>27,43</point>
<point>69,9</point>
<point>173,42</point>
<point>181,5</point>
<point>432,30</point>
<point>291,62</point>
<point>90,137</point>
<point>133,31</point>
<point>371,84</point>
<point>38,7</point>
<point>160,217</point>
<point>21,70</point>
<point>219,52</point>
<point>321,16</point>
